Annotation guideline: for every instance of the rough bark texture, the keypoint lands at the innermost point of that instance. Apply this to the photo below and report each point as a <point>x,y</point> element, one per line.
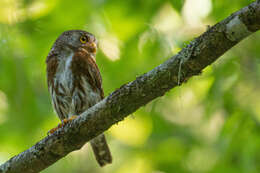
<point>200,53</point>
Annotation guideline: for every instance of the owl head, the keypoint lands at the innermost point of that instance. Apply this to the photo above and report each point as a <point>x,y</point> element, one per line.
<point>74,40</point>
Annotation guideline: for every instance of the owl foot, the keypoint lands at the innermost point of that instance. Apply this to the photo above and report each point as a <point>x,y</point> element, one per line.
<point>67,120</point>
<point>62,124</point>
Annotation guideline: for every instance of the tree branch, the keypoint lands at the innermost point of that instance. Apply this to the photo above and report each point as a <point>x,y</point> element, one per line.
<point>190,61</point>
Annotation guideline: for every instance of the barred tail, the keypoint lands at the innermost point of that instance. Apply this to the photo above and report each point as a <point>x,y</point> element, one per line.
<point>101,150</point>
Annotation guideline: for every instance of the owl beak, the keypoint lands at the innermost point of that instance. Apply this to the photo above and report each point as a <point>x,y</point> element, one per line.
<point>93,47</point>
<point>90,47</point>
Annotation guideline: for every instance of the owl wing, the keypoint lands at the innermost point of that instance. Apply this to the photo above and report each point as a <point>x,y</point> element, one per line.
<point>96,78</point>
<point>52,64</point>
<point>56,94</point>
<point>84,65</point>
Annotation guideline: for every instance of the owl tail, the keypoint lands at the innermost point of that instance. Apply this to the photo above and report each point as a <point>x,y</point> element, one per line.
<point>101,150</point>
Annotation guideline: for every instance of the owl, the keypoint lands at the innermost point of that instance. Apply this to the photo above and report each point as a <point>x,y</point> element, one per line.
<point>75,83</point>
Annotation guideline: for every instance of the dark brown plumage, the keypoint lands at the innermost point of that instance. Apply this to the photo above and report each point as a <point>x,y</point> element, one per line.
<point>74,81</point>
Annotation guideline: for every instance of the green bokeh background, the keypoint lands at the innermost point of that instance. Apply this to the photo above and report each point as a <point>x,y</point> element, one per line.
<point>208,125</point>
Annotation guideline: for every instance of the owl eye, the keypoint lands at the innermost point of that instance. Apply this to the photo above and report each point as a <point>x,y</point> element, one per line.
<point>84,39</point>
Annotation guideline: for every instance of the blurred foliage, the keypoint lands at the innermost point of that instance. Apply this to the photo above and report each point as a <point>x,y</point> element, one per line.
<point>210,124</point>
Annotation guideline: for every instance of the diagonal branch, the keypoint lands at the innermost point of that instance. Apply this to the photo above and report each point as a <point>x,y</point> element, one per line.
<point>192,59</point>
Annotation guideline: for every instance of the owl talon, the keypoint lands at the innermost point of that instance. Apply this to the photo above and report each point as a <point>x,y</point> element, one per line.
<point>62,124</point>
<point>72,117</point>
<point>52,130</point>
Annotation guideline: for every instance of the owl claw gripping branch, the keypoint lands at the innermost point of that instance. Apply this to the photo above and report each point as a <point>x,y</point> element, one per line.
<point>62,124</point>
<point>75,83</point>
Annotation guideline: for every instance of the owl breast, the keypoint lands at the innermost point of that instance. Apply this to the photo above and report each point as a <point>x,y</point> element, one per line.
<point>71,93</point>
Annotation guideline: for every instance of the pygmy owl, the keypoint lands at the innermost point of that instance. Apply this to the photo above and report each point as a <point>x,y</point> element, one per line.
<point>75,83</point>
